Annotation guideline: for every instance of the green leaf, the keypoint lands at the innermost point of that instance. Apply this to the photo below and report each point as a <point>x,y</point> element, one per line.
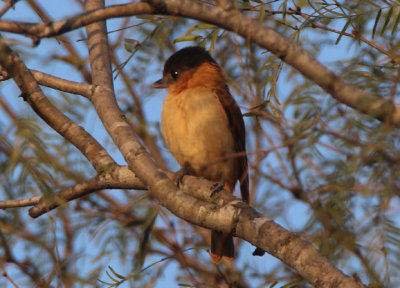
<point>284,9</point>
<point>273,284</point>
<point>200,27</point>
<point>151,216</point>
<point>376,22</point>
<point>106,283</point>
<point>388,16</point>
<point>131,45</point>
<point>343,31</point>
<point>136,222</point>
<point>112,278</point>
<point>261,106</point>
<point>360,73</point>
<point>262,14</point>
<point>132,42</point>
<point>214,38</point>
<point>204,26</point>
<point>293,284</point>
<point>188,38</point>
<point>396,23</point>
<point>115,273</point>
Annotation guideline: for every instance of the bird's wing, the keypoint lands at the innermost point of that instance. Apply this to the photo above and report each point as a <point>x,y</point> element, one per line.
<point>237,127</point>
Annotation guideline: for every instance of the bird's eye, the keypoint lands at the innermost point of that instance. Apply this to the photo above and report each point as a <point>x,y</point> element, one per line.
<point>175,74</point>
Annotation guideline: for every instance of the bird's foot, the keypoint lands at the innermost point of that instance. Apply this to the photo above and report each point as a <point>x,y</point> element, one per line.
<point>258,252</point>
<point>185,170</point>
<point>217,187</point>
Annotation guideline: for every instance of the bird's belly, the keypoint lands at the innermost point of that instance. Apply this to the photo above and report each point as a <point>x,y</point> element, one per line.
<point>196,131</point>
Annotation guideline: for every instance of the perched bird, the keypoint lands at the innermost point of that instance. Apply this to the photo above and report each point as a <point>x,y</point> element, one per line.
<point>203,128</point>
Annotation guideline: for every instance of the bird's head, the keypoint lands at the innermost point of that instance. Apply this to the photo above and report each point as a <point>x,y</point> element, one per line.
<point>180,68</point>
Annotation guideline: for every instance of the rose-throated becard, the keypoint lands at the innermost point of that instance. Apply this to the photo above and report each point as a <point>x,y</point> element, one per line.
<point>203,128</point>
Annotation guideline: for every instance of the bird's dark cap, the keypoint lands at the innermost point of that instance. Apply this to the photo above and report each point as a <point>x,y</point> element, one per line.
<point>181,61</point>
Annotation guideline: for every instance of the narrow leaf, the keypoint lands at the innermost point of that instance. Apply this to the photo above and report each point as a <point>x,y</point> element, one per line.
<point>214,38</point>
<point>106,283</point>
<point>136,222</point>
<point>273,284</point>
<point>343,30</point>
<point>184,285</point>
<point>262,14</point>
<point>131,41</point>
<point>131,45</point>
<point>396,23</point>
<point>152,215</point>
<point>204,26</point>
<point>199,27</point>
<point>388,16</point>
<point>188,38</point>
<point>115,273</point>
<point>112,278</point>
<point>376,22</point>
<point>284,9</point>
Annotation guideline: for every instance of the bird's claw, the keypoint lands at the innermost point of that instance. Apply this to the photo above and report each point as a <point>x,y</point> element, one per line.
<point>185,170</point>
<point>178,177</point>
<point>258,252</point>
<point>217,187</point>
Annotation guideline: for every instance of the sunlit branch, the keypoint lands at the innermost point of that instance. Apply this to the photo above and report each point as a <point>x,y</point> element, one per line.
<point>20,202</point>
<point>119,178</point>
<point>7,6</point>
<point>55,28</point>
<point>61,84</point>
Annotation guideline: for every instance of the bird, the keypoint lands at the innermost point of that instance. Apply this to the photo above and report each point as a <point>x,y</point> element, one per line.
<point>203,128</point>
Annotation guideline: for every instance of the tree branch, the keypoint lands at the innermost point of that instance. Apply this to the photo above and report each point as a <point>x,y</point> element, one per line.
<point>7,6</point>
<point>235,21</point>
<point>61,84</point>
<point>235,217</point>
<point>55,28</point>
<point>220,211</point>
<point>20,202</point>
<point>32,93</point>
<point>119,178</point>
<point>57,83</point>
<point>282,47</point>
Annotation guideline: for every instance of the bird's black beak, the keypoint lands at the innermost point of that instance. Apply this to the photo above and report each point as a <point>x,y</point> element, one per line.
<point>159,84</point>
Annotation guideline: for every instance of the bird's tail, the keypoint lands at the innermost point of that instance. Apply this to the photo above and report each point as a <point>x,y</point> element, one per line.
<point>221,246</point>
